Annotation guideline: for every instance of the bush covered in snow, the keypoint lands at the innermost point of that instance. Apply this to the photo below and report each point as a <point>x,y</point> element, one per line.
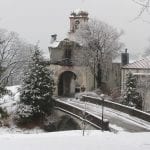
<point>50,127</point>
<point>23,114</point>
<point>67,123</point>
<point>36,93</point>
<point>63,123</point>
<point>131,96</point>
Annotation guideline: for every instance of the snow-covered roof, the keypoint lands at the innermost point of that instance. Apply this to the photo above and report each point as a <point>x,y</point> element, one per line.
<point>140,64</point>
<point>54,44</point>
<point>79,12</point>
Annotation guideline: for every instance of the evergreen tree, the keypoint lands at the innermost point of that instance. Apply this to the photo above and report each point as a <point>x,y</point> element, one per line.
<point>132,97</point>
<point>37,90</point>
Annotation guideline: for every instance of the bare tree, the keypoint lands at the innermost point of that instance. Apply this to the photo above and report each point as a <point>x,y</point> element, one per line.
<point>22,59</point>
<point>8,51</point>
<point>101,44</point>
<point>145,4</point>
<point>13,55</point>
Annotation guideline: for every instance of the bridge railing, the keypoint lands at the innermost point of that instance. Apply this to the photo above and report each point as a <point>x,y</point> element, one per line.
<point>126,109</point>
<point>94,120</point>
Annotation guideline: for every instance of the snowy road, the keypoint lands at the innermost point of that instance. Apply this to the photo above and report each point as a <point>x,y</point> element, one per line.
<point>118,120</point>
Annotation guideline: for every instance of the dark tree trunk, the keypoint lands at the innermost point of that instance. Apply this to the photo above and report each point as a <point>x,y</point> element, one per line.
<point>99,75</point>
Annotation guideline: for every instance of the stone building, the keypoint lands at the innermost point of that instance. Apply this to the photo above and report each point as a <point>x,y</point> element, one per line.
<point>69,74</point>
<point>77,17</point>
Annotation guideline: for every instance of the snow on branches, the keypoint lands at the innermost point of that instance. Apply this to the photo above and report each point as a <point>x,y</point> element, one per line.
<point>37,89</point>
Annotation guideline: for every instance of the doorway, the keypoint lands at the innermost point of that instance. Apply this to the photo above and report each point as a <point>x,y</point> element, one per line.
<point>66,84</point>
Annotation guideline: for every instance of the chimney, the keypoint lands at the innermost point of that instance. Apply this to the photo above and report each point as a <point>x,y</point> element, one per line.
<point>125,58</point>
<point>53,38</point>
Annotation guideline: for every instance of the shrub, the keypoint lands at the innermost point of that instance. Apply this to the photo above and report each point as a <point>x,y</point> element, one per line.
<point>50,127</point>
<point>67,123</point>
<point>23,114</point>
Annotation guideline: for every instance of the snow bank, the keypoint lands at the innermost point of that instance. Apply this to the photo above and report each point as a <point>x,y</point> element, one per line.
<point>73,140</point>
<point>9,101</point>
<point>13,89</point>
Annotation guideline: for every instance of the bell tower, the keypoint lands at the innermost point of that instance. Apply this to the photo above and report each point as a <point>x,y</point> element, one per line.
<point>77,17</point>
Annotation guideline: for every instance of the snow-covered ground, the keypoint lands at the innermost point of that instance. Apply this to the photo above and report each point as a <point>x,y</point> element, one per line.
<point>9,102</point>
<point>15,139</point>
<point>73,140</point>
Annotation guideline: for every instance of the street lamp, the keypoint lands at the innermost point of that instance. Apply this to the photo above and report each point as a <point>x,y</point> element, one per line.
<point>102,96</point>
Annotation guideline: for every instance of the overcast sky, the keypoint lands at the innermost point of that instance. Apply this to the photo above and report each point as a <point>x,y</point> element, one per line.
<point>37,19</point>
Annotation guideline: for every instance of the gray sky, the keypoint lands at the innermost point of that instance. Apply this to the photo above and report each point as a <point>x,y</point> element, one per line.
<point>37,19</point>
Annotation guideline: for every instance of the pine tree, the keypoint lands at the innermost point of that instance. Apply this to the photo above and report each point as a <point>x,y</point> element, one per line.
<point>37,90</point>
<point>132,97</point>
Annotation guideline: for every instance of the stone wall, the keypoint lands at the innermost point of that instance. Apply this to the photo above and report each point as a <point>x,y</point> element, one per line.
<point>57,54</point>
<point>122,108</point>
<point>76,63</point>
<point>94,120</point>
<point>112,78</point>
<point>83,74</point>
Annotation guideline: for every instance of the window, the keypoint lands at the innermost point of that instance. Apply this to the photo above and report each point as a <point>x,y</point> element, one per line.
<point>68,53</point>
<point>77,22</point>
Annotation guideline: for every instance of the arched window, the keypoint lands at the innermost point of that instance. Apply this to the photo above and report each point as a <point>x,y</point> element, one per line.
<point>68,53</point>
<point>77,22</point>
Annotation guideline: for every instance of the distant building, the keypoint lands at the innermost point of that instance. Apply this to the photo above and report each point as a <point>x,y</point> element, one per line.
<point>141,69</point>
<point>77,17</point>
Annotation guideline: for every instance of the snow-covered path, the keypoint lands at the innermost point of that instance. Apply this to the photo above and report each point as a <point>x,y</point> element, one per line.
<point>118,120</point>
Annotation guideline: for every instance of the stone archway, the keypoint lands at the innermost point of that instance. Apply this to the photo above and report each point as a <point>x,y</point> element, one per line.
<point>66,84</point>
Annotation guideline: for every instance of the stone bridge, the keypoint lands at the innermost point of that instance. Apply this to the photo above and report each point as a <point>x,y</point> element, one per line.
<point>117,117</point>
<point>82,114</point>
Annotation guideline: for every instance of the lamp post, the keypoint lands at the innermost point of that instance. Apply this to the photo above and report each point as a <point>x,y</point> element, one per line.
<point>102,96</point>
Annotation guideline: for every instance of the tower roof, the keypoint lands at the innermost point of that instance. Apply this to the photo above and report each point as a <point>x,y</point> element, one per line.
<point>79,12</point>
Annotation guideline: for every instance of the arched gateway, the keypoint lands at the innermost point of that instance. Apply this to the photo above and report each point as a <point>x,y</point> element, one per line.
<point>67,83</point>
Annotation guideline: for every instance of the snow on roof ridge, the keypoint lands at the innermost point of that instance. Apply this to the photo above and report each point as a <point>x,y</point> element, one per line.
<point>142,63</point>
<point>78,11</point>
<point>54,44</point>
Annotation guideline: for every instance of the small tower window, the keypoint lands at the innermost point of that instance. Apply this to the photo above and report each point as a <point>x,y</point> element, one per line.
<point>68,53</point>
<point>77,22</point>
